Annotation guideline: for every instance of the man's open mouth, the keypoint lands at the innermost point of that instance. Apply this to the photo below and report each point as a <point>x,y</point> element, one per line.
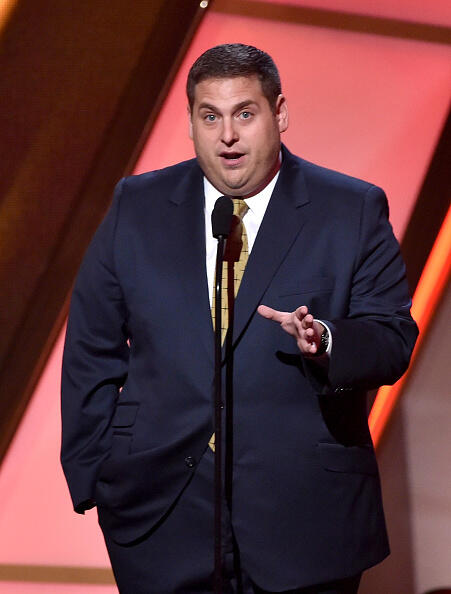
<point>231,158</point>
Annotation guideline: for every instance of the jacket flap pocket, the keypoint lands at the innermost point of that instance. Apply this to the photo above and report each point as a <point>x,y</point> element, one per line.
<point>135,491</point>
<point>125,414</point>
<point>353,459</point>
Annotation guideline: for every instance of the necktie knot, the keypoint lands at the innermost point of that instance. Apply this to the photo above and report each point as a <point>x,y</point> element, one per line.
<point>240,208</point>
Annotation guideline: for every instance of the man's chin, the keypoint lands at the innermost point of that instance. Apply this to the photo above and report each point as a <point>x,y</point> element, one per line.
<point>235,187</point>
<point>230,186</point>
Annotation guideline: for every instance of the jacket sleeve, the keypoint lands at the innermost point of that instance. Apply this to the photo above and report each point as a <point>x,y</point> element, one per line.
<point>373,344</point>
<point>95,362</point>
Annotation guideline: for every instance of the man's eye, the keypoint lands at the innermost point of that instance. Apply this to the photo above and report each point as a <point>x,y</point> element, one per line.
<point>245,115</point>
<point>210,117</point>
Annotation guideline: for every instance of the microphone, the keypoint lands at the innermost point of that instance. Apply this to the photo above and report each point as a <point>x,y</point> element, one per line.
<point>221,217</point>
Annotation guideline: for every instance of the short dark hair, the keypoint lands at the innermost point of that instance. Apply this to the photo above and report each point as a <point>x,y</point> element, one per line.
<point>235,59</point>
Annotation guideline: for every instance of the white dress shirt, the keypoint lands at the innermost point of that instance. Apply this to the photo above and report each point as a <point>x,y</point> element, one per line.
<point>252,220</point>
<point>257,206</point>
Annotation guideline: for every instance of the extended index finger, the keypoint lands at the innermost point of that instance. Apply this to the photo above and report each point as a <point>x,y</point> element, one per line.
<point>271,314</point>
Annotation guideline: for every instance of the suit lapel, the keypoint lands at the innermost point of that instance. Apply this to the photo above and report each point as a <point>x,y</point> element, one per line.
<point>187,240</point>
<point>284,218</point>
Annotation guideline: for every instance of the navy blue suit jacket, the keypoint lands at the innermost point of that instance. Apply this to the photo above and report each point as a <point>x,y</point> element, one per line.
<point>138,368</point>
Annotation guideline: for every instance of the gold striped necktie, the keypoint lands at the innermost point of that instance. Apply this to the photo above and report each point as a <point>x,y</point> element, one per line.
<point>236,255</point>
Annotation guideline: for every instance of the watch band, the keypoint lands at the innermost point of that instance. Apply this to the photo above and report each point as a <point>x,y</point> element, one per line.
<point>324,343</point>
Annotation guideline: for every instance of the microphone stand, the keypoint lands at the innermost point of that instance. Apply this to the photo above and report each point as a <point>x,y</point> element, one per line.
<point>221,220</point>
<point>218,405</point>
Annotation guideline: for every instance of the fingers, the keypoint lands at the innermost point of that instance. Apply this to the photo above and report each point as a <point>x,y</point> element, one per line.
<point>301,312</point>
<point>303,321</point>
<point>305,334</point>
<point>310,347</point>
<point>272,314</point>
<point>304,316</point>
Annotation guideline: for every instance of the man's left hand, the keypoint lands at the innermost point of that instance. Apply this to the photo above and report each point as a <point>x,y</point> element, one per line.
<point>299,324</point>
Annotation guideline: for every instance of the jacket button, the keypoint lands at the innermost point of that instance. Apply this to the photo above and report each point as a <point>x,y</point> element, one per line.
<point>189,461</point>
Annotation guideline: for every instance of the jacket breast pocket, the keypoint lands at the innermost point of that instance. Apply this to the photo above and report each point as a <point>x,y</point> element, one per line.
<point>310,284</point>
<point>315,292</point>
<point>350,459</point>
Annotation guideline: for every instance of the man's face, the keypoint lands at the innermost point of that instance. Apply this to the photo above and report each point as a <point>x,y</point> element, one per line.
<point>236,134</point>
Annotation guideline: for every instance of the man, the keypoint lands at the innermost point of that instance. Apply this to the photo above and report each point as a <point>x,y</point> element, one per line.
<point>321,316</point>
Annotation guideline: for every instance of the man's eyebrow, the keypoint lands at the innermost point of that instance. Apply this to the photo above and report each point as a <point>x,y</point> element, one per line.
<point>245,103</point>
<point>210,107</point>
<point>207,106</point>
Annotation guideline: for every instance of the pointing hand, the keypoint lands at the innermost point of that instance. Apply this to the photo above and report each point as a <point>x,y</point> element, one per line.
<point>299,324</point>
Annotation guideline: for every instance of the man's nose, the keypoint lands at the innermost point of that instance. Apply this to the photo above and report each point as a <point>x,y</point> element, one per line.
<point>229,132</point>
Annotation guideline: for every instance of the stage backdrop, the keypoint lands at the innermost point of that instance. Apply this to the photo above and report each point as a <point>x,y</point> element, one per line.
<point>369,105</point>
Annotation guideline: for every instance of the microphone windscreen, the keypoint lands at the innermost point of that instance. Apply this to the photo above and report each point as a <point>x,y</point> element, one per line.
<point>221,217</point>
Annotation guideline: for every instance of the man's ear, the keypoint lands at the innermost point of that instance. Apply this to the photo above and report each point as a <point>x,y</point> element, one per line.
<point>281,112</point>
<point>190,122</point>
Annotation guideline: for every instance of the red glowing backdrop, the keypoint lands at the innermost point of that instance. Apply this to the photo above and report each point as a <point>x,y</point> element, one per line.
<point>370,105</point>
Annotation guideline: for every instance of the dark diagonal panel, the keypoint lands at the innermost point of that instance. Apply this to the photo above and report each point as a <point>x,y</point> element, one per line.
<point>79,83</point>
<point>336,20</point>
<point>430,208</point>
